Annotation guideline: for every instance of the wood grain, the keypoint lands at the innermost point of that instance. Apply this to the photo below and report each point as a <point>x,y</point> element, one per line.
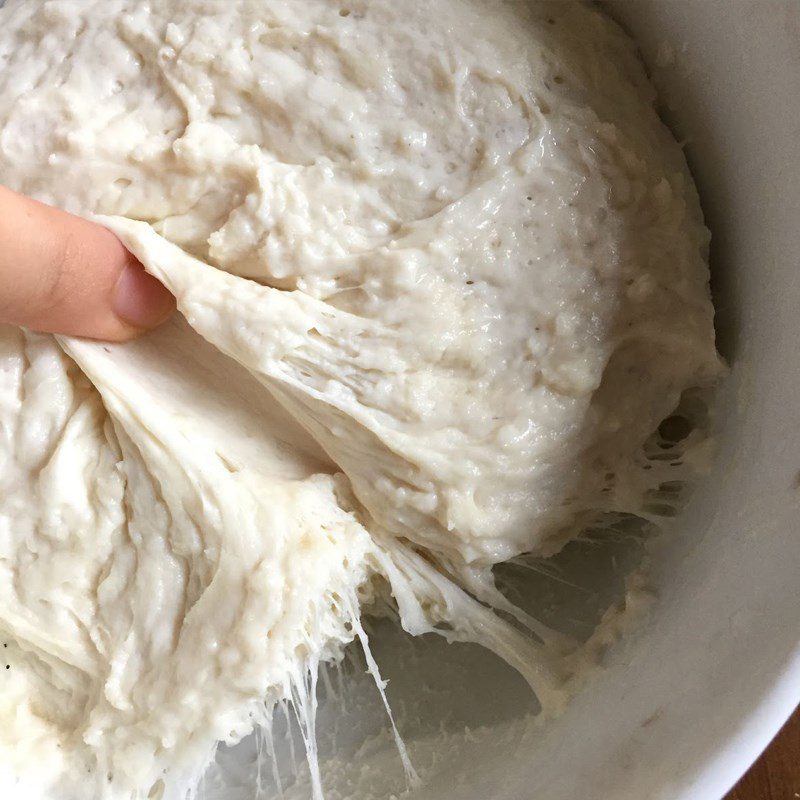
<point>776,775</point>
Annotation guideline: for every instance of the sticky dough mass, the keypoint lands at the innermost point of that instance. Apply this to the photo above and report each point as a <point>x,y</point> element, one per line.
<point>439,276</point>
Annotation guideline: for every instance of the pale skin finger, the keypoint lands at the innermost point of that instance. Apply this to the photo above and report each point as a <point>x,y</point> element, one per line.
<point>63,274</point>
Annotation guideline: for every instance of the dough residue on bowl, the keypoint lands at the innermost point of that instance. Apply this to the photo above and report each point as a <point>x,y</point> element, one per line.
<point>439,275</point>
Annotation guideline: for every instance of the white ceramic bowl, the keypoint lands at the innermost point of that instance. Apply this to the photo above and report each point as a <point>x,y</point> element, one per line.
<point>684,705</point>
<point>687,704</point>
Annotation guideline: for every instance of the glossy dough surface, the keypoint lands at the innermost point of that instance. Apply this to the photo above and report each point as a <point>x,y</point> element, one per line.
<point>439,277</point>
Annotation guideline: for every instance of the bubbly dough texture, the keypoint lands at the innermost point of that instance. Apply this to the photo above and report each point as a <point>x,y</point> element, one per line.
<point>440,273</point>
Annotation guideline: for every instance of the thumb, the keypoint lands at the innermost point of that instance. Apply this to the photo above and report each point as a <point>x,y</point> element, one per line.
<point>63,274</point>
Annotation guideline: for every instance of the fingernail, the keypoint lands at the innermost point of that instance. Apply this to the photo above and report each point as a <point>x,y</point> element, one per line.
<point>139,299</point>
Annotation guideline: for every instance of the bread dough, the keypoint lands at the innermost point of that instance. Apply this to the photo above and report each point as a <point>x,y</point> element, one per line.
<point>439,276</point>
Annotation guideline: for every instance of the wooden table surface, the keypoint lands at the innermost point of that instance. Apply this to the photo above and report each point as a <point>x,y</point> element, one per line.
<point>776,775</point>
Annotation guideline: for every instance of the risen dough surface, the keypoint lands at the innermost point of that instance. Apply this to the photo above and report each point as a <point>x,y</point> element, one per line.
<point>440,276</point>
